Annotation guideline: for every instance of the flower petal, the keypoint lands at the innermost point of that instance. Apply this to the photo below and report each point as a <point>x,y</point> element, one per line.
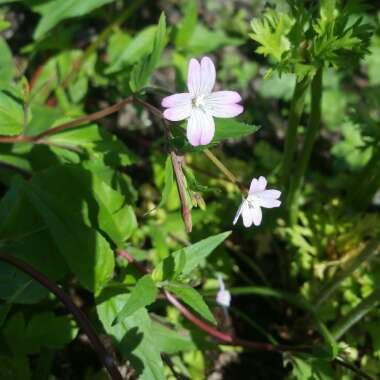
<point>224,110</point>
<point>258,185</point>
<point>194,77</point>
<point>238,213</point>
<point>257,215</point>
<point>268,202</point>
<point>208,75</point>
<point>223,298</point>
<point>200,127</point>
<point>223,97</point>
<point>177,113</point>
<point>247,215</point>
<point>176,100</point>
<point>270,194</point>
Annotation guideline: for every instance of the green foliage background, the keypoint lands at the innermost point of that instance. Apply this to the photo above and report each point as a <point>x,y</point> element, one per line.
<point>78,200</point>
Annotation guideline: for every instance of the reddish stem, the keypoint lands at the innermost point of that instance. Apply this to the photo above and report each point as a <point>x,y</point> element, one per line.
<point>210,330</point>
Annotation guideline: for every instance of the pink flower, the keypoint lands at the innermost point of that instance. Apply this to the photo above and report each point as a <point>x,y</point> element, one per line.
<point>257,197</point>
<point>200,104</point>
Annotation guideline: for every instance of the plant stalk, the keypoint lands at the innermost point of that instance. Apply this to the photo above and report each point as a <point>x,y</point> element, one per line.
<point>79,316</point>
<point>311,134</point>
<point>296,110</point>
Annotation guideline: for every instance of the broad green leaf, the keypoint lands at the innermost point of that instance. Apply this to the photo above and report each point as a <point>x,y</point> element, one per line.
<point>143,294</point>
<point>224,129</point>
<point>171,341</point>
<point>191,297</point>
<point>11,114</point>
<point>98,142</point>
<point>7,67</point>
<point>54,11</point>
<point>198,252</point>
<point>204,40</point>
<point>232,129</point>
<point>93,198</point>
<point>186,27</point>
<point>47,330</point>
<point>86,251</point>
<point>142,71</point>
<point>134,336</point>
<point>17,287</point>
<point>134,49</point>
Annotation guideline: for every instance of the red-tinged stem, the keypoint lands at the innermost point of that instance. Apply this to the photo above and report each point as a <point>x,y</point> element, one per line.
<point>79,316</point>
<point>71,124</point>
<point>210,330</point>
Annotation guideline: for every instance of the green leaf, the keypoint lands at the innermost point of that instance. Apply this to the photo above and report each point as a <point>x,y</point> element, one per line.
<point>133,335</point>
<point>46,330</point>
<point>7,67</point>
<point>54,11</point>
<point>14,368</point>
<point>143,294</point>
<point>204,40</point>
<point>271,31</point>
<point>134,50</point>
<point>11,114</point>
<point>196,253</point>
<point>99,143</point>
<point>142,71</point>
<point>168,182</point>
<point>99,204</point>
<point>86,251</point>
<point>232,129</point>
<point>186,27</point>
<point>171,341</point>
<point>191,297</point>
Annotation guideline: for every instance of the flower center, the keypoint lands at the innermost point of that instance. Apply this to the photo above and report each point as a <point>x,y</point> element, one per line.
<point>251,200</point>
<point>198,101</point>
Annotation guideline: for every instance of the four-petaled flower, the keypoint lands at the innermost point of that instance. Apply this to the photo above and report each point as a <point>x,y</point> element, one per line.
<point>223,297</point>
<point>200,104</point>
<point>257,197</point>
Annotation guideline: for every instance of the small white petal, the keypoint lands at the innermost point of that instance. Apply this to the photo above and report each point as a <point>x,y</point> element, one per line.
<point>207,76</point>
<point>247,215</point>
<point>238,213</point>
<point>200,127</point>
<point>268,202</point>
<point>194,77</point>
<point>177,113</point>
<point>257,215</point>
<point>270,194</point>
<point>258,185</point>
<point>224,110</point>
<point>223,298</point>
<point>181,99</point>
<point>223,97</point>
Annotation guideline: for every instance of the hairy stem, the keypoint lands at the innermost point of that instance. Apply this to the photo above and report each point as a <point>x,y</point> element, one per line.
<point>296,110</point>
<point>219,164</point>
<point>311,134</point>
<point>81,319</point>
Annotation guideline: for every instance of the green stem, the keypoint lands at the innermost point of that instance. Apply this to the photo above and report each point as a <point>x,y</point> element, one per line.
<point>296,110</point>
<point>371,250</point>
<point>219,164</point>
<point>311,135</point>
<point>356,314</point>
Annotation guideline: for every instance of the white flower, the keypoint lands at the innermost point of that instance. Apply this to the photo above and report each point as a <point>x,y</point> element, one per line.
<point>200,104</point>
<point>257,197</point>
<point>223,297</point>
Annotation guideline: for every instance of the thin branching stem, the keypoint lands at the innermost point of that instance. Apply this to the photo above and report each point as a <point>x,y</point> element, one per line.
<point>106,358</point>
